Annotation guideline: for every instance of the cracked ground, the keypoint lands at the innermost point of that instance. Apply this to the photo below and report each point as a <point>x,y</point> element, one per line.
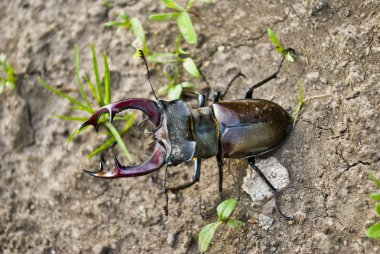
<point>50,206</point>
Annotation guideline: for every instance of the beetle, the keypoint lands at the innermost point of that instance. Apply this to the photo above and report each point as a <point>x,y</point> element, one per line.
<point>243,129</point>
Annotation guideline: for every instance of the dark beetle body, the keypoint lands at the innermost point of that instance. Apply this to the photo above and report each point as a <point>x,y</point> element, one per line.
<point>250,127</point>
<point>233,129</point>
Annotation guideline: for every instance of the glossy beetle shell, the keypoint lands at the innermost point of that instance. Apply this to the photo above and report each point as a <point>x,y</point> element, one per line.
<point>250,127</point>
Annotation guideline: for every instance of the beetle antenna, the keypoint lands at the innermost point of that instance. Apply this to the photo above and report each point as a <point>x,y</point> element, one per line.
<point>142,56</point>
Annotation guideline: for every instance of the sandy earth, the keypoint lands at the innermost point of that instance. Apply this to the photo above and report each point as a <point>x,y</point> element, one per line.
<point>49,206</point>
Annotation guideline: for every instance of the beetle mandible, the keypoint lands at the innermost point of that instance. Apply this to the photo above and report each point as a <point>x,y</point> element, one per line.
<point>243,129</point>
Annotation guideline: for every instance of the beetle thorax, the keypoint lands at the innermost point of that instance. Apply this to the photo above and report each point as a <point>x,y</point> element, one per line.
<point>186,133</point>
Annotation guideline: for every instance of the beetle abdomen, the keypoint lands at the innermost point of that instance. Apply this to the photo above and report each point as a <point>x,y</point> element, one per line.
<point>250,127</point>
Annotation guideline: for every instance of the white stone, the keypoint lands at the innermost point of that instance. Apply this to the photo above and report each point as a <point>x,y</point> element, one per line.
<point>265,221</point>
<point>276,174</point>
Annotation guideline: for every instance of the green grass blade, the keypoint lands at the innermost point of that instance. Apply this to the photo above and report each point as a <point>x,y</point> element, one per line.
<point>163,16</point>
<point>107,80</point>
<point>76,132</point>
<point>77,75</point>
<point>97,78</point>
<point>101,148</point>
<point>72,118</point>
<point>374,179</point>
<point>79,108</point>
<point>186,27</point>
<point>276,41</point>
<point>112,140</point>
<point>119,140</point>
<point>92,88</point>
<point>68,97</point>
<point>129,123</point>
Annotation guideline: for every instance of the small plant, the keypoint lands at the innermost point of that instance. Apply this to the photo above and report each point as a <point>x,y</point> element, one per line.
<point>301,100</point>
<point>173,60</point>
<point>133,24</point>
<point>224,210</point>
<point>374,230</point>
<point>7,74</point>
<point>102,95</point>
<point>281,49</point>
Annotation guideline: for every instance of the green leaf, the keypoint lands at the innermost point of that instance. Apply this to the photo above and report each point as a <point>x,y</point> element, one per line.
<point>374,231</point>
<point>276,42</point>
<point>174,92</point>
<point>139,32</point>
<point>235,223</point>
<point>187,84</point>
<point>9,78</point>
<point>374,179</point>
<point>186,27</point>
<point>108,4</point>
<point>163,90</point>
<point>68,97</point>
<point>173,4</point>
<point>289,57</point>
<point>97,77</point>
<point>226,208</point>
<point>119,140</point>
<point>163,16</point>
<point>163,58</point>
<point>77,75</point>
<point>377,208</point>
<point>137,29</point>
<point>375,196</point>
<point>206,235</point>
<point>107,80</point>
<point>191,68</point>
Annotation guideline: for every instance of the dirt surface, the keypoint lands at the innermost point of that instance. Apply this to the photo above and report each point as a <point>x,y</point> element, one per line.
<point>49,206</point>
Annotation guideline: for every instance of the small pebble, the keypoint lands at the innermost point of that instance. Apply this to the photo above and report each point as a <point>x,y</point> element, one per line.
<point>265,221</point>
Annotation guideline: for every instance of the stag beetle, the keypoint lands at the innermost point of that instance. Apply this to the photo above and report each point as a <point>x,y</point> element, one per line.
<point>241,129</point>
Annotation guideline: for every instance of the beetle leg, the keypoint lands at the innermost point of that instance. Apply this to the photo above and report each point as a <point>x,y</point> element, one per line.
<point>196,176</point>
<point>165,191</point>
<point>219,96</point>
<point>262,82</point>
<point>276,193</point>
<point>220,171</point>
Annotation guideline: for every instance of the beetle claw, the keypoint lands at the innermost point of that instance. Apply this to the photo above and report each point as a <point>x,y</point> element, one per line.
<point>156,161</point>
<point>147,106</point>
<point>117,163</point>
